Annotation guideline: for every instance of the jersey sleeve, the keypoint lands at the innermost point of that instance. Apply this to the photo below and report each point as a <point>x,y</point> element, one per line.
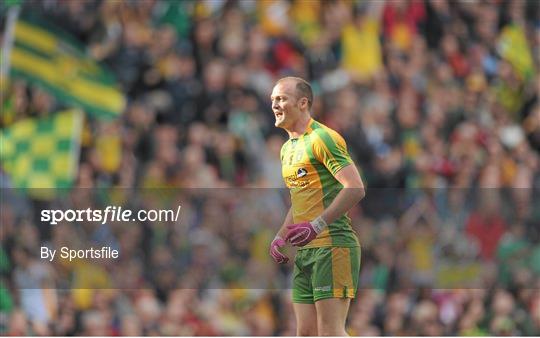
<point>330,149</point>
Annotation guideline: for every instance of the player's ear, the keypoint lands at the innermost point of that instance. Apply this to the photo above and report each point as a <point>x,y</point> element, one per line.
<point>304,102</point>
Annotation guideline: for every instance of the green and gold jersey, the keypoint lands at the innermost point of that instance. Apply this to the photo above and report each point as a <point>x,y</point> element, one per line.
<point>309,164</point>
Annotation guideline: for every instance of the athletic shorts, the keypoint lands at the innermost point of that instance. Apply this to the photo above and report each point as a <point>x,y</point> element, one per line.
<point>328,272</point>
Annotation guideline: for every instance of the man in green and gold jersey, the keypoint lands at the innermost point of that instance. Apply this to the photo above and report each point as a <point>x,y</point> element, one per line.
<point>324,184</point>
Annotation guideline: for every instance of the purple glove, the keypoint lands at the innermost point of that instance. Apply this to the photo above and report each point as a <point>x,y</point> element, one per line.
<point>301,234</point>
<point>278,243</point>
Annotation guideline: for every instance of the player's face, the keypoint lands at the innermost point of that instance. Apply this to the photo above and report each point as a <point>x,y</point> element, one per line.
<point>285,105</point>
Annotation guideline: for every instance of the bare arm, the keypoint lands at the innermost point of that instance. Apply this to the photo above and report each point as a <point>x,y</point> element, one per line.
<point>288,220</point>
<point>353,191</point>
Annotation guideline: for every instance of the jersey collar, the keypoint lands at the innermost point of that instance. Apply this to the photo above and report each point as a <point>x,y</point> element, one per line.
<point>308,130</point>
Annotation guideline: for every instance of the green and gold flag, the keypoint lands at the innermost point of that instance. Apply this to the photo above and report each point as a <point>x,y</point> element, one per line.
<point>44,55</point>
<point>42,153</point>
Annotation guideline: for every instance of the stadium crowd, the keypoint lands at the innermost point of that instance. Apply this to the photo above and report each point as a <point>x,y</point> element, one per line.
<point>438,103</point>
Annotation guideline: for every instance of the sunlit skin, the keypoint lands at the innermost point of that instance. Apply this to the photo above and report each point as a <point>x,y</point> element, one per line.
<point>291,112</point>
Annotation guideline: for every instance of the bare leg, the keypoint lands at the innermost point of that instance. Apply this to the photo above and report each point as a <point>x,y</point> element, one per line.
<point>331,316</point>
<point>306,319</point>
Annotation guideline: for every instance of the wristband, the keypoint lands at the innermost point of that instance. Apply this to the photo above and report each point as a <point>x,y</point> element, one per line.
<point>319,224</point>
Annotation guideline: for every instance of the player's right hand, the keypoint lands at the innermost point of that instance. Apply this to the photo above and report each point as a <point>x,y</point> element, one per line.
<point>276,244</point>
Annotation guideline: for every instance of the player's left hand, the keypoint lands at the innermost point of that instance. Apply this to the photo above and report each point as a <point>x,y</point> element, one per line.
<point>300,234</point>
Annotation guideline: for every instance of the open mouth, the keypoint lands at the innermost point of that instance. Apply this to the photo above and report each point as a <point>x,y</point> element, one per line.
<point>278,114</point>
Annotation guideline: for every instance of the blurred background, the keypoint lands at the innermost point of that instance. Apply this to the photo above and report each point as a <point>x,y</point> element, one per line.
<point>437,101</point>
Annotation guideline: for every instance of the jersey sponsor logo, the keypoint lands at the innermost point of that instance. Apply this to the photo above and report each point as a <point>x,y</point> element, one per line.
<point>293,181</point>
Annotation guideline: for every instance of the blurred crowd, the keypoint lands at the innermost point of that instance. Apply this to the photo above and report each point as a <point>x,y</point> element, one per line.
<point>437,101</point>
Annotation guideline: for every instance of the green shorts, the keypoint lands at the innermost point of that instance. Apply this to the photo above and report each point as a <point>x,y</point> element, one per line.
<point>328,272</point>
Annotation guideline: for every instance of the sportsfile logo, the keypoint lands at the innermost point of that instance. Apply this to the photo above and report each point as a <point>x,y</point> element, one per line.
<point>110,213</point>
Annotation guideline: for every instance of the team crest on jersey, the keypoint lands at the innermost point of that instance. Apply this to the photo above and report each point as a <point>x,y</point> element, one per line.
<point>301,172</point>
